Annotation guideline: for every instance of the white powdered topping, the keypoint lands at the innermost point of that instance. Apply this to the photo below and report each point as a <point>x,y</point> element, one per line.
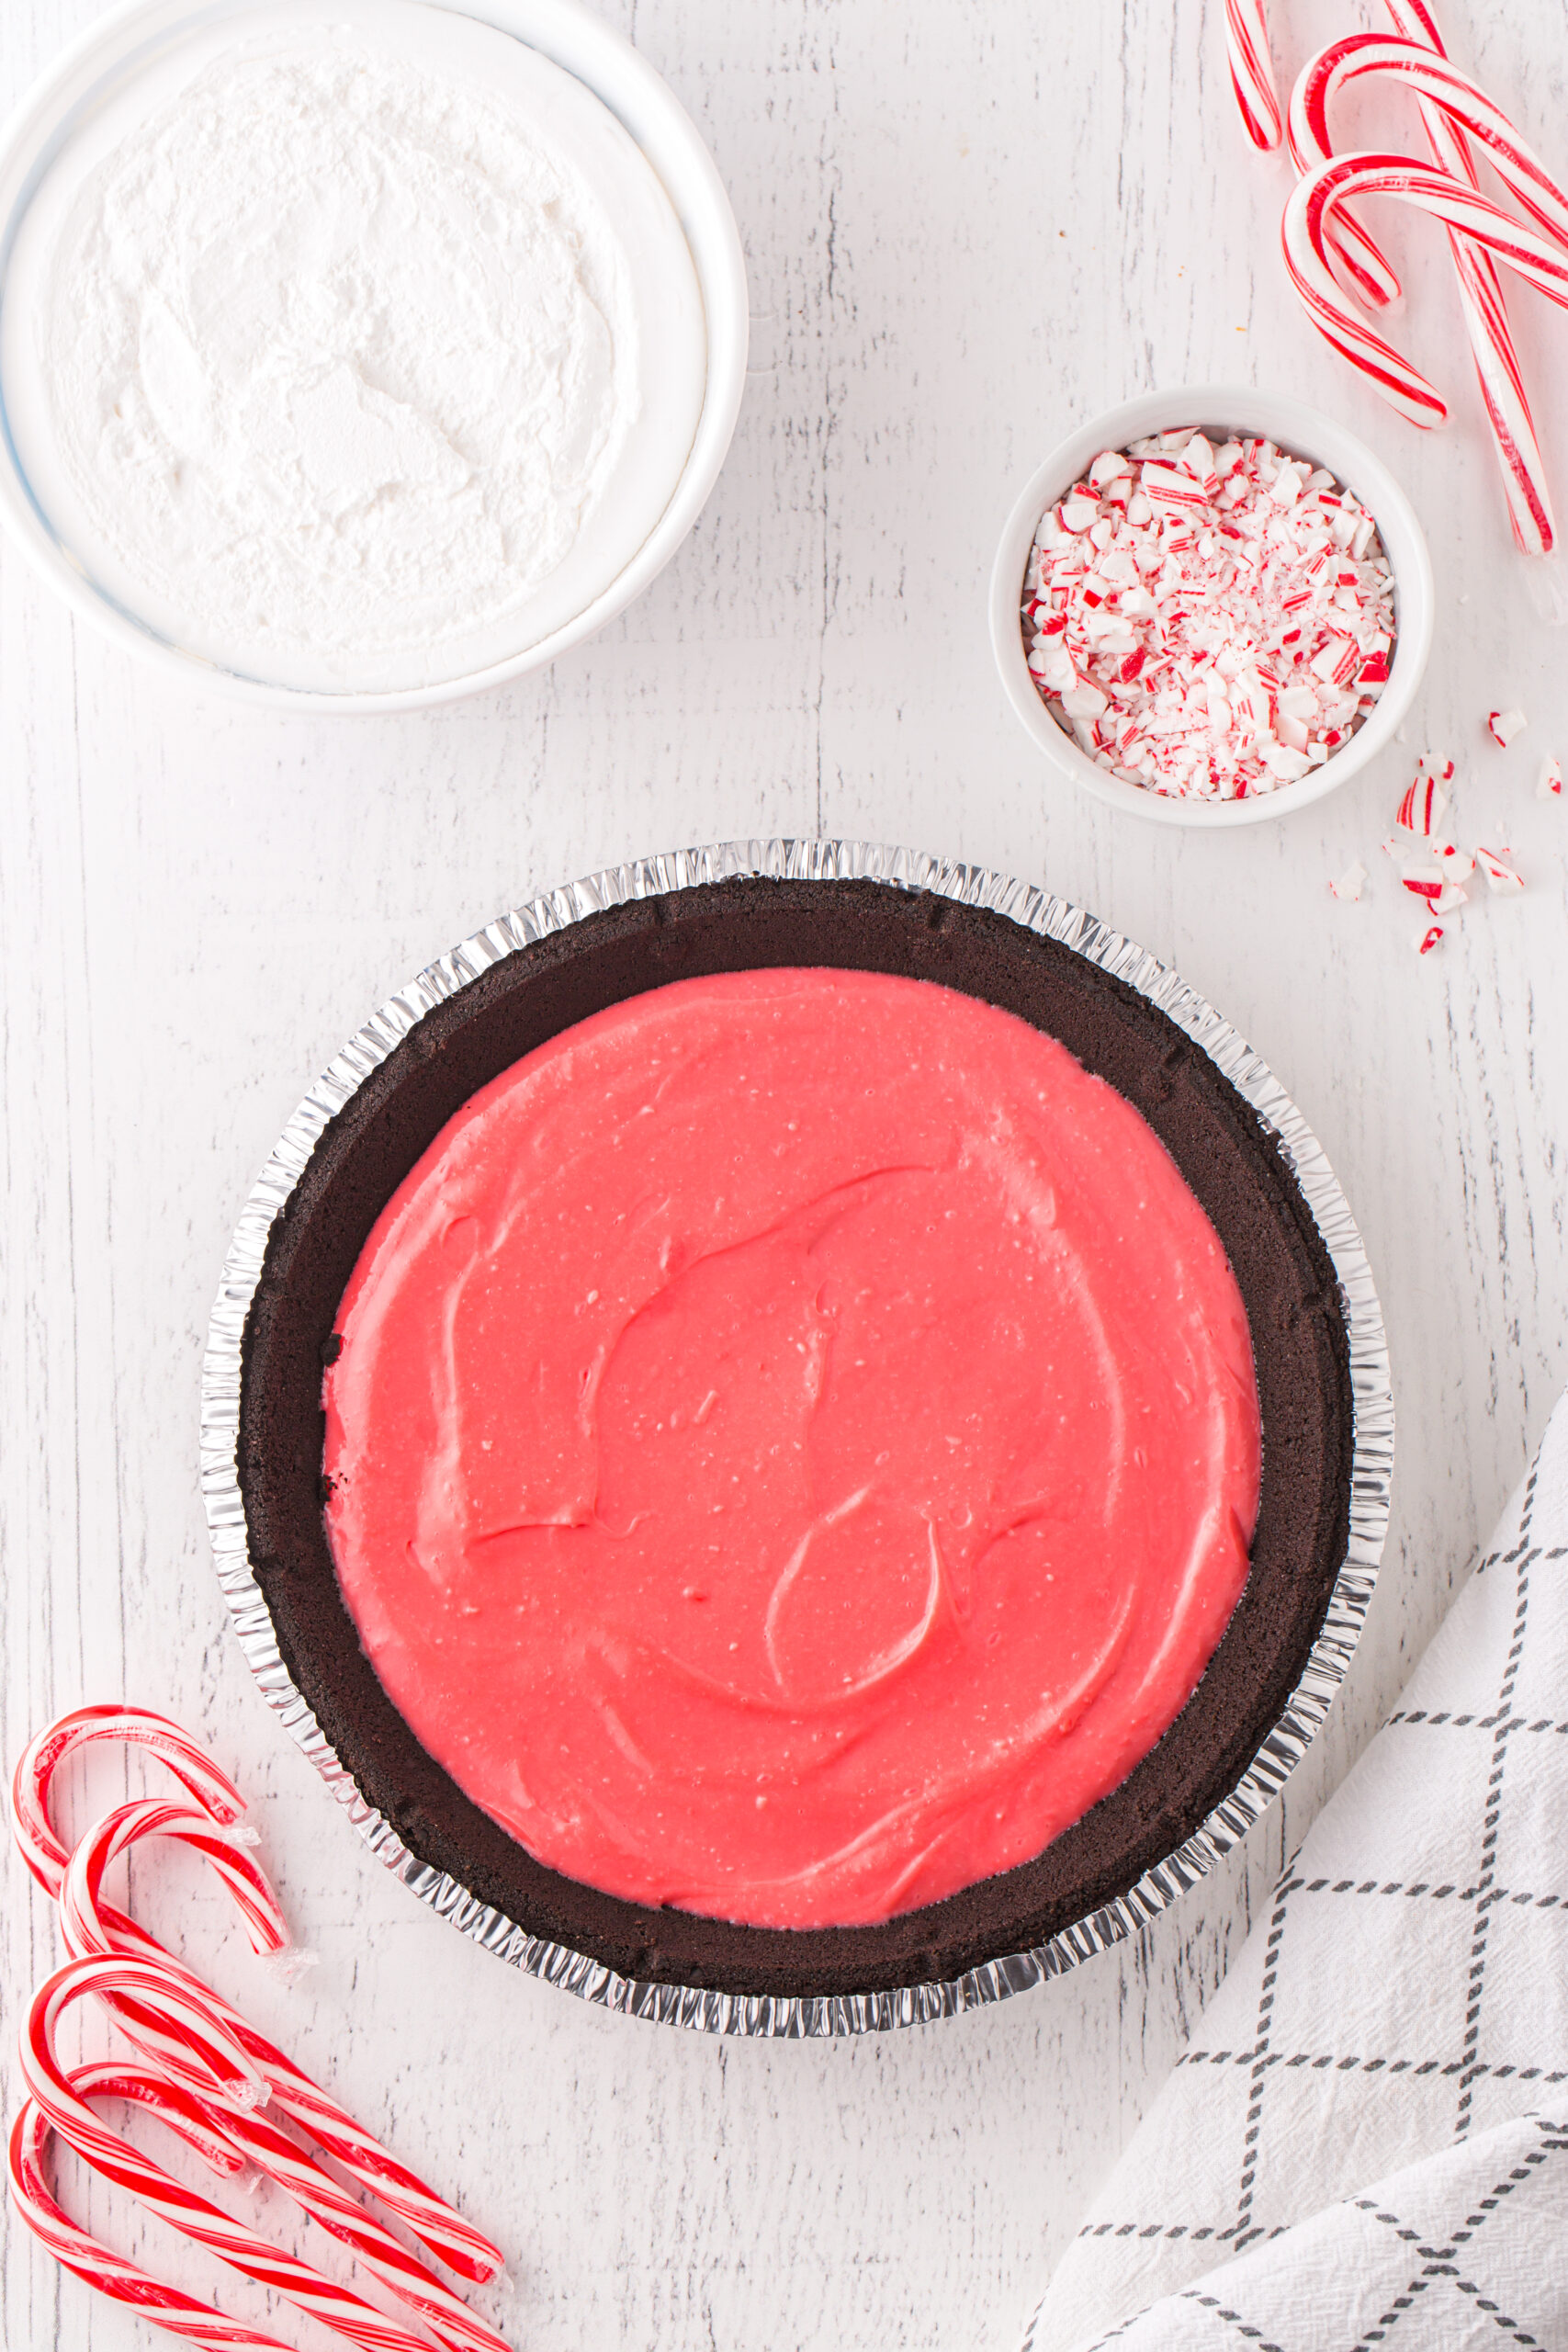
<point>347,368</point>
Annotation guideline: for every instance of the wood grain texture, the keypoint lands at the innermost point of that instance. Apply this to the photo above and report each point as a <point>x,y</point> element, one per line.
<point>966,228</point>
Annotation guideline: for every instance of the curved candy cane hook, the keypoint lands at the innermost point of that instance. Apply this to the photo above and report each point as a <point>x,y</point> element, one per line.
<point>31,1826</point>
<point>85,1921</point>
<point>1452,107</point>
<point>1449,199</point>
<point>97,2266</point>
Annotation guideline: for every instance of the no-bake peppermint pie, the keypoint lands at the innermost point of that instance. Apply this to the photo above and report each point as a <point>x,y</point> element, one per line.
<point>794,1437</point>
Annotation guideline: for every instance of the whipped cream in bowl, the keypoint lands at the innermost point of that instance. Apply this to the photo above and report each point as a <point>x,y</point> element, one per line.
<point>359,353</point>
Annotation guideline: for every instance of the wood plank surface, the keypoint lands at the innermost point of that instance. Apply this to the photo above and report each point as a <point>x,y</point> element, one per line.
<point>966,227</point>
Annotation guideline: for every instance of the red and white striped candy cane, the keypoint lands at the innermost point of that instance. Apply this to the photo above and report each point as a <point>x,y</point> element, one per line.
<point>31,1826</point>
<point>1252,71</point>
<point>1452,106</point>
<point>200,2055</point>
<point>96,1927</point>
<point>445,2234</point>
<point>1357,259</point>
<point>192,2045</point>
<point>188,2118</point>
<point>1451,200</point>
<point>232,2145</point>
<point>81,1917</point>
<point>114,2275</point>
<point>261,2142</point>
<point>1451,95</point>
<point>454,2241</point>
<point>92,1929</point>
<point>1485,313</point>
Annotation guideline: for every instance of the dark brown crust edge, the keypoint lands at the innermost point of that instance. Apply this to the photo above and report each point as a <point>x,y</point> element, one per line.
<point>1234,1166</point>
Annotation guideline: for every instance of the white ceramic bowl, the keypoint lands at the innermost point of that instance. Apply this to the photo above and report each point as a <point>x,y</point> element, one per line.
<point>573,36</point>
<point>1305,432</point>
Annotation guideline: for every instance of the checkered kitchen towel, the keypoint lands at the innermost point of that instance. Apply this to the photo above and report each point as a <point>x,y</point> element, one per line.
<point>1369,2143</point>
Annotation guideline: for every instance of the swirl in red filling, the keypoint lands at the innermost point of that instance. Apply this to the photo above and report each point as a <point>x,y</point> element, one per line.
<point>795,1445</point>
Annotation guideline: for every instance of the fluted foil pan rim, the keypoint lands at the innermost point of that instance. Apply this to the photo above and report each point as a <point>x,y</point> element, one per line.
<point>1283,1746</point>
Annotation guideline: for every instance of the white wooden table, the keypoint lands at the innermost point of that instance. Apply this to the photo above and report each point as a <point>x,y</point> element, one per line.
<point>966,226</point>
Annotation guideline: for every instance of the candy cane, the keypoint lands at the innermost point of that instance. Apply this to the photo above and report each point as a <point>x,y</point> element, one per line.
<point>187,2117</point>
<point>97,1928</point>
<point>195,2052</point>
<point>81,1917</point>
<point>99,2267</point>
<point>1252,71</point>
<point>32,1828</point>
<point>1486,313</point>
<point>198,2054</point>
<point>1340,181</point>
<point>1439,85</point>
<point>232,2144</point>
<point>261,2142</point>
<point>1358,260</point>
<point>1452,106</point>
<point>253,2138</point>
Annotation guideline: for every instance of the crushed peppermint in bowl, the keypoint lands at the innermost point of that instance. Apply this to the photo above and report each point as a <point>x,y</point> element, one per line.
<point>1208,622</point>
<point>1212,606</point>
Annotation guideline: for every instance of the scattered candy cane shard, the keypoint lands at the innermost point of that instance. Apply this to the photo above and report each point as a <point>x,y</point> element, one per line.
<point>1443,896</point>
<point>1252,71</point>
<point>1427,940</point>
<point>1549,787</point>
<point>1208,621</point>
<point>1501,877</point>
<point>1352,883</point>
<point>1421,810</point>
<point>1504,725</point>
<point>1313,205</point>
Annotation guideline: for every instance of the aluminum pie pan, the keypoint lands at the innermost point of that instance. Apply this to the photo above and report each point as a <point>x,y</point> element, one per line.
<point>1282,1748</point>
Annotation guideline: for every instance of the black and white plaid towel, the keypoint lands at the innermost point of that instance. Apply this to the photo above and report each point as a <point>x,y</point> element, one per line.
<point>1369,2143</point>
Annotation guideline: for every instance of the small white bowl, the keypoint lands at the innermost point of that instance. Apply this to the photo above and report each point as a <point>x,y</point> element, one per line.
<point>1303,432</point>
<point>573,36</point>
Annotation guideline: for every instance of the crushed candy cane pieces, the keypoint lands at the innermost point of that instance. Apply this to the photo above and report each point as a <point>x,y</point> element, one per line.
<point>1550,785</point>
<point>1208,619</point>
<point>1504,725</point>
<point>1433,867</point>
<point>1502,877</point>
<point>1352,883</point>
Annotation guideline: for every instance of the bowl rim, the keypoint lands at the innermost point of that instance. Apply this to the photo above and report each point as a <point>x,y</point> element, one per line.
<point>1304,431</point>
<point>568,34</point>
<point>1285,1741</point>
